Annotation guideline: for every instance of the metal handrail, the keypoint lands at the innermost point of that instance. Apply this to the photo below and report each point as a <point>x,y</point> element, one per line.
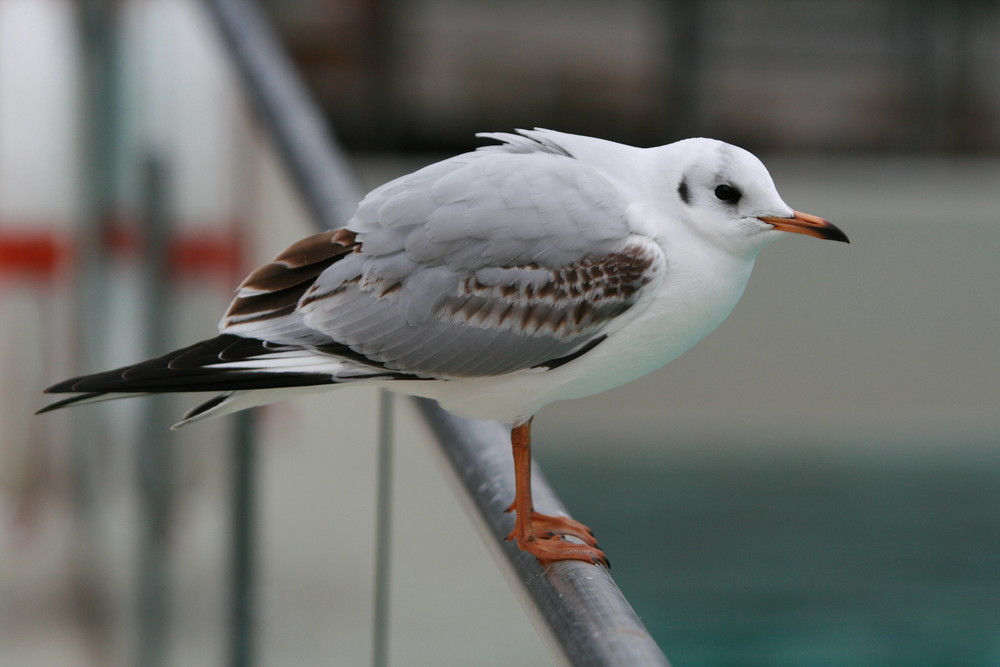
<point>575,605</point>
<point>578,605</point>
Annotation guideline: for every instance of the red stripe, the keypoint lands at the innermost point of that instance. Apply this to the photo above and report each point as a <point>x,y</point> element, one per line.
<point>33,254</point>
<point>194,253</point>
<point>44,254</point>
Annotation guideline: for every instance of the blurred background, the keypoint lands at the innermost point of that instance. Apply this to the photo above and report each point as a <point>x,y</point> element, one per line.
<point>817,483</point>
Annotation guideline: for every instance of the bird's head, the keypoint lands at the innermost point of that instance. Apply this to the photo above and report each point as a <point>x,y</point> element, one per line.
<point>725,195</point>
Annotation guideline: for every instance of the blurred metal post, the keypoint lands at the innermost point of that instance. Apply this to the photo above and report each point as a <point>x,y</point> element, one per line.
<point>88,452</point>
<point>98,30</point>
<point>243,541</point>
<point>383,529</point>
<point>154,459</point>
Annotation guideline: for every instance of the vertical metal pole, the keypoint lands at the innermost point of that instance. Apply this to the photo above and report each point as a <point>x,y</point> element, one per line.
<point>154,460</point>
<point>383,531</point>
<point>98,35</point>
<point>88,452</point>
<point>243,538</point>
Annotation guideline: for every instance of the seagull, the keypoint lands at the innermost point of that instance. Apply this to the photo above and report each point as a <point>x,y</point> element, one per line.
<point>546,266</point>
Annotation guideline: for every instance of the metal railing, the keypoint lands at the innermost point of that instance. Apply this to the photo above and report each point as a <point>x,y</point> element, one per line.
<point>576,605</point>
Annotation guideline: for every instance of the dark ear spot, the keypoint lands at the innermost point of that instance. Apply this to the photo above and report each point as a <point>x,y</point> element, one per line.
<point>683,191</point>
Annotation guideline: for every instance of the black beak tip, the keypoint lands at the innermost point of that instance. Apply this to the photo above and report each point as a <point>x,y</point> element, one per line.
<point>837,234</point>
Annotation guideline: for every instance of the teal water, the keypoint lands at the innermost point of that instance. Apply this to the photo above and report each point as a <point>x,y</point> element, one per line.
<point>838,562</point>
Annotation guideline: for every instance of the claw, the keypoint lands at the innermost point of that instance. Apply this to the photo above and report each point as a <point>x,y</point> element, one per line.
<point>557,548</point>
<point>544,536</point>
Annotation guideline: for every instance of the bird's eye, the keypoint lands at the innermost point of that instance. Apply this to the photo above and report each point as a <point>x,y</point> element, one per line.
<point>727,193</point>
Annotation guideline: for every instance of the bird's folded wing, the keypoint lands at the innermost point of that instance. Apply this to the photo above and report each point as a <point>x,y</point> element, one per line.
<point>484,264</point>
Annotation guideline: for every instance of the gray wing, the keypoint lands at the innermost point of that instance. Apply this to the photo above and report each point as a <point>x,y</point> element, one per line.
<point>483,264</point>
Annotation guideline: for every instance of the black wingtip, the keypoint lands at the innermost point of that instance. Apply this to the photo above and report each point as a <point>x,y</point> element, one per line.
<point>67,401</point>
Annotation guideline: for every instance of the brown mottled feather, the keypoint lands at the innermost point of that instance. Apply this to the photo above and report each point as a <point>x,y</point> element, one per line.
<point>574,298</point>
<point>273,290</point>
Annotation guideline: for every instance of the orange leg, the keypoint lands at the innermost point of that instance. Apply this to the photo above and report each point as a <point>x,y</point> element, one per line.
<point>542,535</point>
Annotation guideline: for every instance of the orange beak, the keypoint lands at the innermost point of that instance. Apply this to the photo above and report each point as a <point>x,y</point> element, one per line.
<point>810,225</point>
